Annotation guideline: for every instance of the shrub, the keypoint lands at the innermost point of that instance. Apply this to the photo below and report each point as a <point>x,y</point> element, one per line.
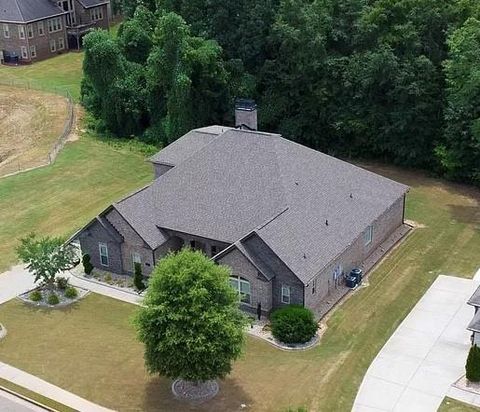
<point>87,266</point>
<point>473,364</point>
<point>108,278</point>
<point>35,296</point>
<point>293,324</point>
<point>138,277</point>
<point>71,292</point>
<point>53,299</point>
<point>62,283</point>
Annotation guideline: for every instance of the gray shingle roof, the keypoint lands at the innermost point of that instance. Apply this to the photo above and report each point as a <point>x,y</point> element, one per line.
<point>92,3</point>
<point>243,181</point>
<point>24,11</point>
<point>189,144</point>
<point>474,325</point>
<point>475,298</point>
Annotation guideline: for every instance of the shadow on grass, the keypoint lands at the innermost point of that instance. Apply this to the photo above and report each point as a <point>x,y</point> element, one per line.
<point>158,397</point>
<point>465,214</point>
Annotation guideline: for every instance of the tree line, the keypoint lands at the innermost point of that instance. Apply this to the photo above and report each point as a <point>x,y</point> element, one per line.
<point>395,80</point>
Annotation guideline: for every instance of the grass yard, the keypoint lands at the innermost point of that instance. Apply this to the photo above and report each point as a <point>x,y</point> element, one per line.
<point>452,405</point>
<point>87,176</point>
<point>91,349</point>
<point>30,123</point>
<point>63,72</point>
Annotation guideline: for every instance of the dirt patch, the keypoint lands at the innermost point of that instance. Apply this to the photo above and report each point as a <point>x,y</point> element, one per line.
<point>30,123</point>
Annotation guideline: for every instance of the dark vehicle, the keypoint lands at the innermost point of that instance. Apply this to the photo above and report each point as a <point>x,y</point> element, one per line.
<point>354,278</point>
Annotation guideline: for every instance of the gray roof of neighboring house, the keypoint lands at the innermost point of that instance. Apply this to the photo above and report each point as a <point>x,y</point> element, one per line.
<point>24,11</point>
<point>475,298</point>
<point>92,3</point>
<point>474,325</point>
<point>243,181</point>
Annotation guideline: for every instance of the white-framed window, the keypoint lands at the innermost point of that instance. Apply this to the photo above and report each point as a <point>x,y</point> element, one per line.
<point>53,46</point>
<point>41,28</point>
<point>54,24</point>
<point>314,286</point>
<point>242,286</point>
<point>30,31</point>
<point>368,235</point>
<point>24,52</point>
<point>6,31</point>
<point>96,13</point>
<point>21,32</point>
<point>103,250</point>
<point>285,294</point>
<point>61,43</point>
<point>136,258</point>
<point>33,51</point>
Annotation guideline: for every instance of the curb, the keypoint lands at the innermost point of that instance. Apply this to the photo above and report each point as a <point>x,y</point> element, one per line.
<point>27,399</point>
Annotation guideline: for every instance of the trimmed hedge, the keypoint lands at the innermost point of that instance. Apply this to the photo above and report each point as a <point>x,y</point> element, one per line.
<point>71,292</point>
<point>35,296</point>
<point>53,299</point>
<point>87,266</point>
<point>293,324</point>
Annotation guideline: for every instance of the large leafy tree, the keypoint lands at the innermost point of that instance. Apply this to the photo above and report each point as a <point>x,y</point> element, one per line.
<point>186,79</point>
<point>190,322</point>
<point>46,257</point>
<point>460,155</point>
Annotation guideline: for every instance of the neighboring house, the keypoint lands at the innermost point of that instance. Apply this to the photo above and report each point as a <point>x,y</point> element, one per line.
<point>33,30</point>
<point>288,220</point>
<point>474,325</point>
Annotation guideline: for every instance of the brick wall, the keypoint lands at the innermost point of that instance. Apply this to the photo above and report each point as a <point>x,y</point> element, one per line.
<point>261,289</point>
<point>89,242</point>
<point>84,16</point>
<point>133,243</point>
<point>354,255</point>
<point>41,42</point>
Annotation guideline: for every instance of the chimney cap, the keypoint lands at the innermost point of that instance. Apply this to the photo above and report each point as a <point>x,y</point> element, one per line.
<point>245,104</point>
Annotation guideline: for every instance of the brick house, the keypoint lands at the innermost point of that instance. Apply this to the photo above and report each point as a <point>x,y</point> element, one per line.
<point>288,220</point>
<point>32,30</point>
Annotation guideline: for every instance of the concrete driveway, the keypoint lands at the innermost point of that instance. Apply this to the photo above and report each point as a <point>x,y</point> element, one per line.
<point>10,403</point>
<point>425,355</point>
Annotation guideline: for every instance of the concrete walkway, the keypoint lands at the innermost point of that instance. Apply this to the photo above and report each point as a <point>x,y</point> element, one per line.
<point>10,403</point>
<point>415,369</point>
<point>44,388</point>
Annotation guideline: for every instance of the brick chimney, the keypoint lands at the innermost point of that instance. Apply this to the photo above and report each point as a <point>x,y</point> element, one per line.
<point>245,114</point>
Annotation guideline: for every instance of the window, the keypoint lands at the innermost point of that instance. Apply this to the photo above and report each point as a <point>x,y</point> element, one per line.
<point>21,32</point>
<point>53,46</point>
<point>136,258</point>
<point>96,14</point>
<point>33,51</point>
<point>54,24</point>
<point>368,235</point>
<point>314,286</point>
<point>213,250</point>
<point>30,31</point>
<point>6,31</point>
<point>242,286</point>
<point>193,244</point>
<point>41,28</point>
<point>61,43</point>
<point>103,249</point>
<point>285,294</point>
<point>24,52</point>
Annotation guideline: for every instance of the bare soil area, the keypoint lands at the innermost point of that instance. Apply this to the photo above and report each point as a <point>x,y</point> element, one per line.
<point>30,123</point>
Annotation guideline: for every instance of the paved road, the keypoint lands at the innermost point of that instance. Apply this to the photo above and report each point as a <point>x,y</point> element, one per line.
<point>10,403</point>
<point>425,355</point>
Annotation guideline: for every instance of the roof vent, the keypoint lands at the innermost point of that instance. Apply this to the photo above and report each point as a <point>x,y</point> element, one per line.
<point>326,222</point>
<point>245,114</point>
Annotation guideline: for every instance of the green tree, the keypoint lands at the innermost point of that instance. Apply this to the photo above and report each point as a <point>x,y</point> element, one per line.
<point>186,80</point>
<point>472,366</point>
<point>460,153</point>
<point>135,35</point>
<point>46,257</point>
<point>190,323</point>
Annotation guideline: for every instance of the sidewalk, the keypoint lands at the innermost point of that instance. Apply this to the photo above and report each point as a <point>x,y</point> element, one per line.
<point>44,388</point>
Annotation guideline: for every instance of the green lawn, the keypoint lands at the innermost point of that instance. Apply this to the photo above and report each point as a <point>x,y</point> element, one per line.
<point>62,72</point>
<point>91,349</point>
<point>87,176</point>
<point>452,405</point>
